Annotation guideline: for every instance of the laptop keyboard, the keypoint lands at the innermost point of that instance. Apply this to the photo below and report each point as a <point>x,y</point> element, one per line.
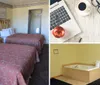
<point>58,17</point>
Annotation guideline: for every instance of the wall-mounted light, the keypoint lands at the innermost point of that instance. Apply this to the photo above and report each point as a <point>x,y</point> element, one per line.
<point>55,51</point>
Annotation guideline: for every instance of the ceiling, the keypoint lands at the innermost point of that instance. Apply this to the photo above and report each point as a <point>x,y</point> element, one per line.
<point>23,2</point>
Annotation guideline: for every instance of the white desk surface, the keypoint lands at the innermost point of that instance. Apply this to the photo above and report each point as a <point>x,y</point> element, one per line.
<point>90,25</point>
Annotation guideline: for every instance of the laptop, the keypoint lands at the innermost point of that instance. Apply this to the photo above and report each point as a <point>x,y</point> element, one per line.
<point>60,15</point>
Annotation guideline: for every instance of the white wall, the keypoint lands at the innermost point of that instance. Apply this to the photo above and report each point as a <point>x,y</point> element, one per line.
<point>20,19</point>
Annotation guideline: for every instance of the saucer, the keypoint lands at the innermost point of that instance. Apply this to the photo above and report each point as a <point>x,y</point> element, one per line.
<point>85,12</point>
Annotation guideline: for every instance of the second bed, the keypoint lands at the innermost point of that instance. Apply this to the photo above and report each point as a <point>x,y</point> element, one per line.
<point>36,40</point>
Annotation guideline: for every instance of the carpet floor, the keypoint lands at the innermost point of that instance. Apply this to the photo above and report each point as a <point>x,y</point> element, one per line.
<point>40,75</point>
<point>58,82</point>
<point>97,82</point>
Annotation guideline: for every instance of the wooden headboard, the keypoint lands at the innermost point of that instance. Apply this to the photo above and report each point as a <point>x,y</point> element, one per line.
<point>4,23</point>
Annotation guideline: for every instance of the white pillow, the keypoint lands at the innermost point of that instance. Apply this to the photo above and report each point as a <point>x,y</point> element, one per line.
<point>5,32</point>
<point>12,31</point>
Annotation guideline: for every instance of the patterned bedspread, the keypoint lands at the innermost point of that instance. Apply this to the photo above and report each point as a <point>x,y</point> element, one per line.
<point>36,40</point>
<point>16,63</point>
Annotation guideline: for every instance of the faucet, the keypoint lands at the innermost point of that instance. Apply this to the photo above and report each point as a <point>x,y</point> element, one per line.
<point>76,66</point>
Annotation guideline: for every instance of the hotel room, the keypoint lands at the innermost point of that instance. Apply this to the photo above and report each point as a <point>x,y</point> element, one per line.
<point>24,39</point>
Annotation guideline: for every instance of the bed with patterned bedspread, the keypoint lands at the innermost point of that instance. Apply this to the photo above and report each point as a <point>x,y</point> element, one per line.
<point>16,63</point>
<point>36,40</point>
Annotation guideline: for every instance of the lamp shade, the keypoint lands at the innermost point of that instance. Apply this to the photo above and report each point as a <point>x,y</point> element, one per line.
<point>37,30</point>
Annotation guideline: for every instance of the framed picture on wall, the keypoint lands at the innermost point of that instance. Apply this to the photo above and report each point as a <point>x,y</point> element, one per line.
<point>2,13</point>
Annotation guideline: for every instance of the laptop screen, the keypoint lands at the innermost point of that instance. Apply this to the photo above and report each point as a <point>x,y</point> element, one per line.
<point>53,1</point>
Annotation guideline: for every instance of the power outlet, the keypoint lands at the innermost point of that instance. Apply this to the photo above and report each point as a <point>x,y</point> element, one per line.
<point>55,51</point>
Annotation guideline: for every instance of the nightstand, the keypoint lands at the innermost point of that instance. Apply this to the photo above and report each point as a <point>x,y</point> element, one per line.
<point>1,40</point>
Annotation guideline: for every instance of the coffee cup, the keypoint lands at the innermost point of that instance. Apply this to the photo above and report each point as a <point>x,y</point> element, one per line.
<point>83,7</point>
